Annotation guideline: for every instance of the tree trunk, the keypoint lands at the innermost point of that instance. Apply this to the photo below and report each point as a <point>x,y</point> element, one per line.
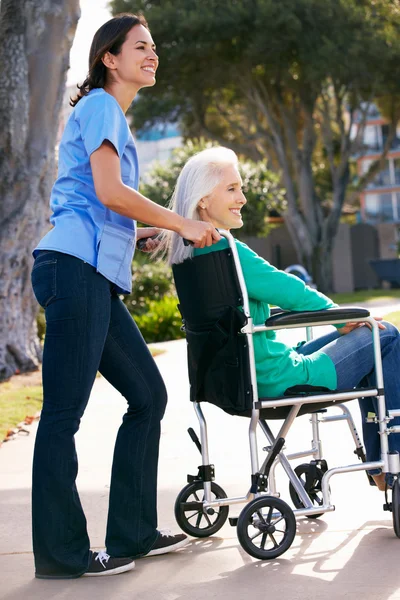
<point>35,41</point>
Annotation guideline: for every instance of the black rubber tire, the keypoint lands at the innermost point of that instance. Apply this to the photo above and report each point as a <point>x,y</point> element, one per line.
<point>213,522</point>
<point>301,472</point>
<point>396,506</point>
<point>253,515</point>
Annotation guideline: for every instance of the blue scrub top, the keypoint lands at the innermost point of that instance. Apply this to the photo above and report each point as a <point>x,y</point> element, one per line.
<point>82,225</point>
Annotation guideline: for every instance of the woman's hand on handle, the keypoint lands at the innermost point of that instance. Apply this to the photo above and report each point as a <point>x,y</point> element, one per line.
<point>200,233</point>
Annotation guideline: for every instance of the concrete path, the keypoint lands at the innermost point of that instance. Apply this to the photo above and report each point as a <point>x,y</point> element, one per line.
<point>351,553</point>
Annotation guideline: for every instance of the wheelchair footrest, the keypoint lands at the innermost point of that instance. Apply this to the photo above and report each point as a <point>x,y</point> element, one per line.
<point>233,521</point>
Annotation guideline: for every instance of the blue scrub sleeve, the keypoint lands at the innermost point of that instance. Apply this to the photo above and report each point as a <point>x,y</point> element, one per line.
<point>101,119</point>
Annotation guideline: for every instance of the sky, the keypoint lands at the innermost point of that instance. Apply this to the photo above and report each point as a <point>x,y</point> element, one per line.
<point>93,14</point>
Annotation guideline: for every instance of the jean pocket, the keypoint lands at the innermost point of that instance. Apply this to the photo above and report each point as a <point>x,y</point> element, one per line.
<point>44,279</point>
<point>115,251</point>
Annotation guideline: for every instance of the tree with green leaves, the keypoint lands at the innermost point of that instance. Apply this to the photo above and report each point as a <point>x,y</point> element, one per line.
<point>260,186</point>
<point>291,81</point>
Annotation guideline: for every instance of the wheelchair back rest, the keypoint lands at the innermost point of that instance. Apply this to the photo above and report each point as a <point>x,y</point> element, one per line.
<point>218,358</point>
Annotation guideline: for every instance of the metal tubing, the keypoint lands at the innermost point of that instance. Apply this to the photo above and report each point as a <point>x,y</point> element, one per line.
<point>394,413</point>
<point>381,399</point>
<point>394,462</point>
<point>294,455</point>
<point>249,336</point>
<point>316,442</point>
<point>205,459</point>
<point>349,469</point>
<point>299,400</point>
<point>294,480</point>
<point>229,501</point>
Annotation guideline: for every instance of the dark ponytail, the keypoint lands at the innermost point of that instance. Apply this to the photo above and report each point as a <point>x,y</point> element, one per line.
<point>109,38</point>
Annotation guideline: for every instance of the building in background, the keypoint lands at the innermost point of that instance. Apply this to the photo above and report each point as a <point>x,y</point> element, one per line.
<point>380,201</point>
<point>156,145</point>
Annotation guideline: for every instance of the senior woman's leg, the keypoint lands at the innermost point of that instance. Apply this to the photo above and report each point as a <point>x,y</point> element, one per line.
<point>353,357</point>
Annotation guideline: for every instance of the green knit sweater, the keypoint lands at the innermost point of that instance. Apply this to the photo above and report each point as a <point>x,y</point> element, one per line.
<point>279,366</point>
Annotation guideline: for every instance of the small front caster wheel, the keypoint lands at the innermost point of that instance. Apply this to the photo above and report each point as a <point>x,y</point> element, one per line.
<point>312,485</point>
<point>266,527</point>
<point>196,522</point>
<point>396,506</point>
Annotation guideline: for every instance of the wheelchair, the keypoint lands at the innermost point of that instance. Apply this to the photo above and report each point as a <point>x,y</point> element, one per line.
<point>219,331</point>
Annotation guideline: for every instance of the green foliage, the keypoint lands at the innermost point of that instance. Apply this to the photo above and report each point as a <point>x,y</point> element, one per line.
<point>260,185</point>
<point>161,321</point>
<point>41,324</point>
<point>151,281</point>
<point>214,55</point>
<point>153,301</point>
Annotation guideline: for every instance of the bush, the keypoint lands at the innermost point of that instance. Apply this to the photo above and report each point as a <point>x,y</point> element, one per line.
<point>161,321</point>
<point>150,282</point>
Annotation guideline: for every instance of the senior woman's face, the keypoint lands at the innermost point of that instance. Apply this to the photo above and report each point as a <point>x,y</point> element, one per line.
<point>222,207</point>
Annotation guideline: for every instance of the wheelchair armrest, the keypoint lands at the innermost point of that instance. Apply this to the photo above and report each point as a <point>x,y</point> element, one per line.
<point>317,316</point>
<point>277,311</point>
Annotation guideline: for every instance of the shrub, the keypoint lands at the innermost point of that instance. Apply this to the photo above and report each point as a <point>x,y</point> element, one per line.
<point>150,282</point>
<point>161,321</point>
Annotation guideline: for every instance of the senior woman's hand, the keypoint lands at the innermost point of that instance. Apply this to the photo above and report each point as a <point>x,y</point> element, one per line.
<point>351,326</point>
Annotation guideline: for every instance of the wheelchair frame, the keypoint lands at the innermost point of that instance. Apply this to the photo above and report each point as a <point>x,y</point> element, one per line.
<point>263,479</point>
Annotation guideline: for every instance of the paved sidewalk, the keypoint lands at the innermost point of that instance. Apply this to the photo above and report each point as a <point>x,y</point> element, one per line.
<point>351,553</point>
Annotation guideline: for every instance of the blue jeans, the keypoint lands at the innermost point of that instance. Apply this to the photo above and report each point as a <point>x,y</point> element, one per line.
<point>353,357</point>
<point>89,329</point>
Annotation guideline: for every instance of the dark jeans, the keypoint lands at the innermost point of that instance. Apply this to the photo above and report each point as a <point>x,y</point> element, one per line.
<point>89,329</point>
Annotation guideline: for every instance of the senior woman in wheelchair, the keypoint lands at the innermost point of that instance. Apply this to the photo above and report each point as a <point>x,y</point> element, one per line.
<point>209,188</point>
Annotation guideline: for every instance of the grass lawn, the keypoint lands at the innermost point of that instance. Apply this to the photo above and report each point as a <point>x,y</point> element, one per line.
<point>22,395</point>
<point>16,403</point>
<point>393,317</point>
<point>365,295</point>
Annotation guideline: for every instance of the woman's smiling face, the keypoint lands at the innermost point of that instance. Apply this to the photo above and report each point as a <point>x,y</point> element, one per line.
<point>137,62</point>
<point>223,206</point>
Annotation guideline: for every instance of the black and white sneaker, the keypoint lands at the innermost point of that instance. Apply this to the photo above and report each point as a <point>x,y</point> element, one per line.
<point>166,542</point>
<point>104,564</point>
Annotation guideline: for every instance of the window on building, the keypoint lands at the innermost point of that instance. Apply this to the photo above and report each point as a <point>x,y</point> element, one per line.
<point>380,208</point>
<point>396,162</point>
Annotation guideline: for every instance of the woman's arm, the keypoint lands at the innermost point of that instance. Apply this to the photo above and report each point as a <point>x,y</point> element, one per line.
<point>120,198</point>
<point>268,284</point>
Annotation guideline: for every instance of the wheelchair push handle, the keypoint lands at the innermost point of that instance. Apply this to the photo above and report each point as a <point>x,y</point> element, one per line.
<point>141,244</point>
<point>190,243</point>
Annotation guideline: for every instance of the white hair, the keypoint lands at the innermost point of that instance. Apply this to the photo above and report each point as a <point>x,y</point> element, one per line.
<point>198,178</point>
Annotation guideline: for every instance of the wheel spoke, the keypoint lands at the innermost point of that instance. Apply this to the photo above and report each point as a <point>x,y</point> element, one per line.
<point>255,536</point>
<point>199,519</point>
<point>207,518</point>
<point>273,540</point>
<point>261,516</point>
<point>271,510</point>
<point>193,515</point>
<point>278,520</point>
<point>263,540</point>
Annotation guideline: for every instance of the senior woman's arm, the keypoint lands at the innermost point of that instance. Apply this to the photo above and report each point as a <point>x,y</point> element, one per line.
<point>268,284</point>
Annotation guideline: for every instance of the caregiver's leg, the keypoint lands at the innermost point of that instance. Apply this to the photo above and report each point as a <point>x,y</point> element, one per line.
<point>77,303</point>
<point>353,357</point>
<point>128,365</point>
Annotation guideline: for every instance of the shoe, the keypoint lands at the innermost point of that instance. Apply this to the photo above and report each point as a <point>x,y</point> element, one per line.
<point>166,542</point>
<point>380,481</point>
<point>104,564</point>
